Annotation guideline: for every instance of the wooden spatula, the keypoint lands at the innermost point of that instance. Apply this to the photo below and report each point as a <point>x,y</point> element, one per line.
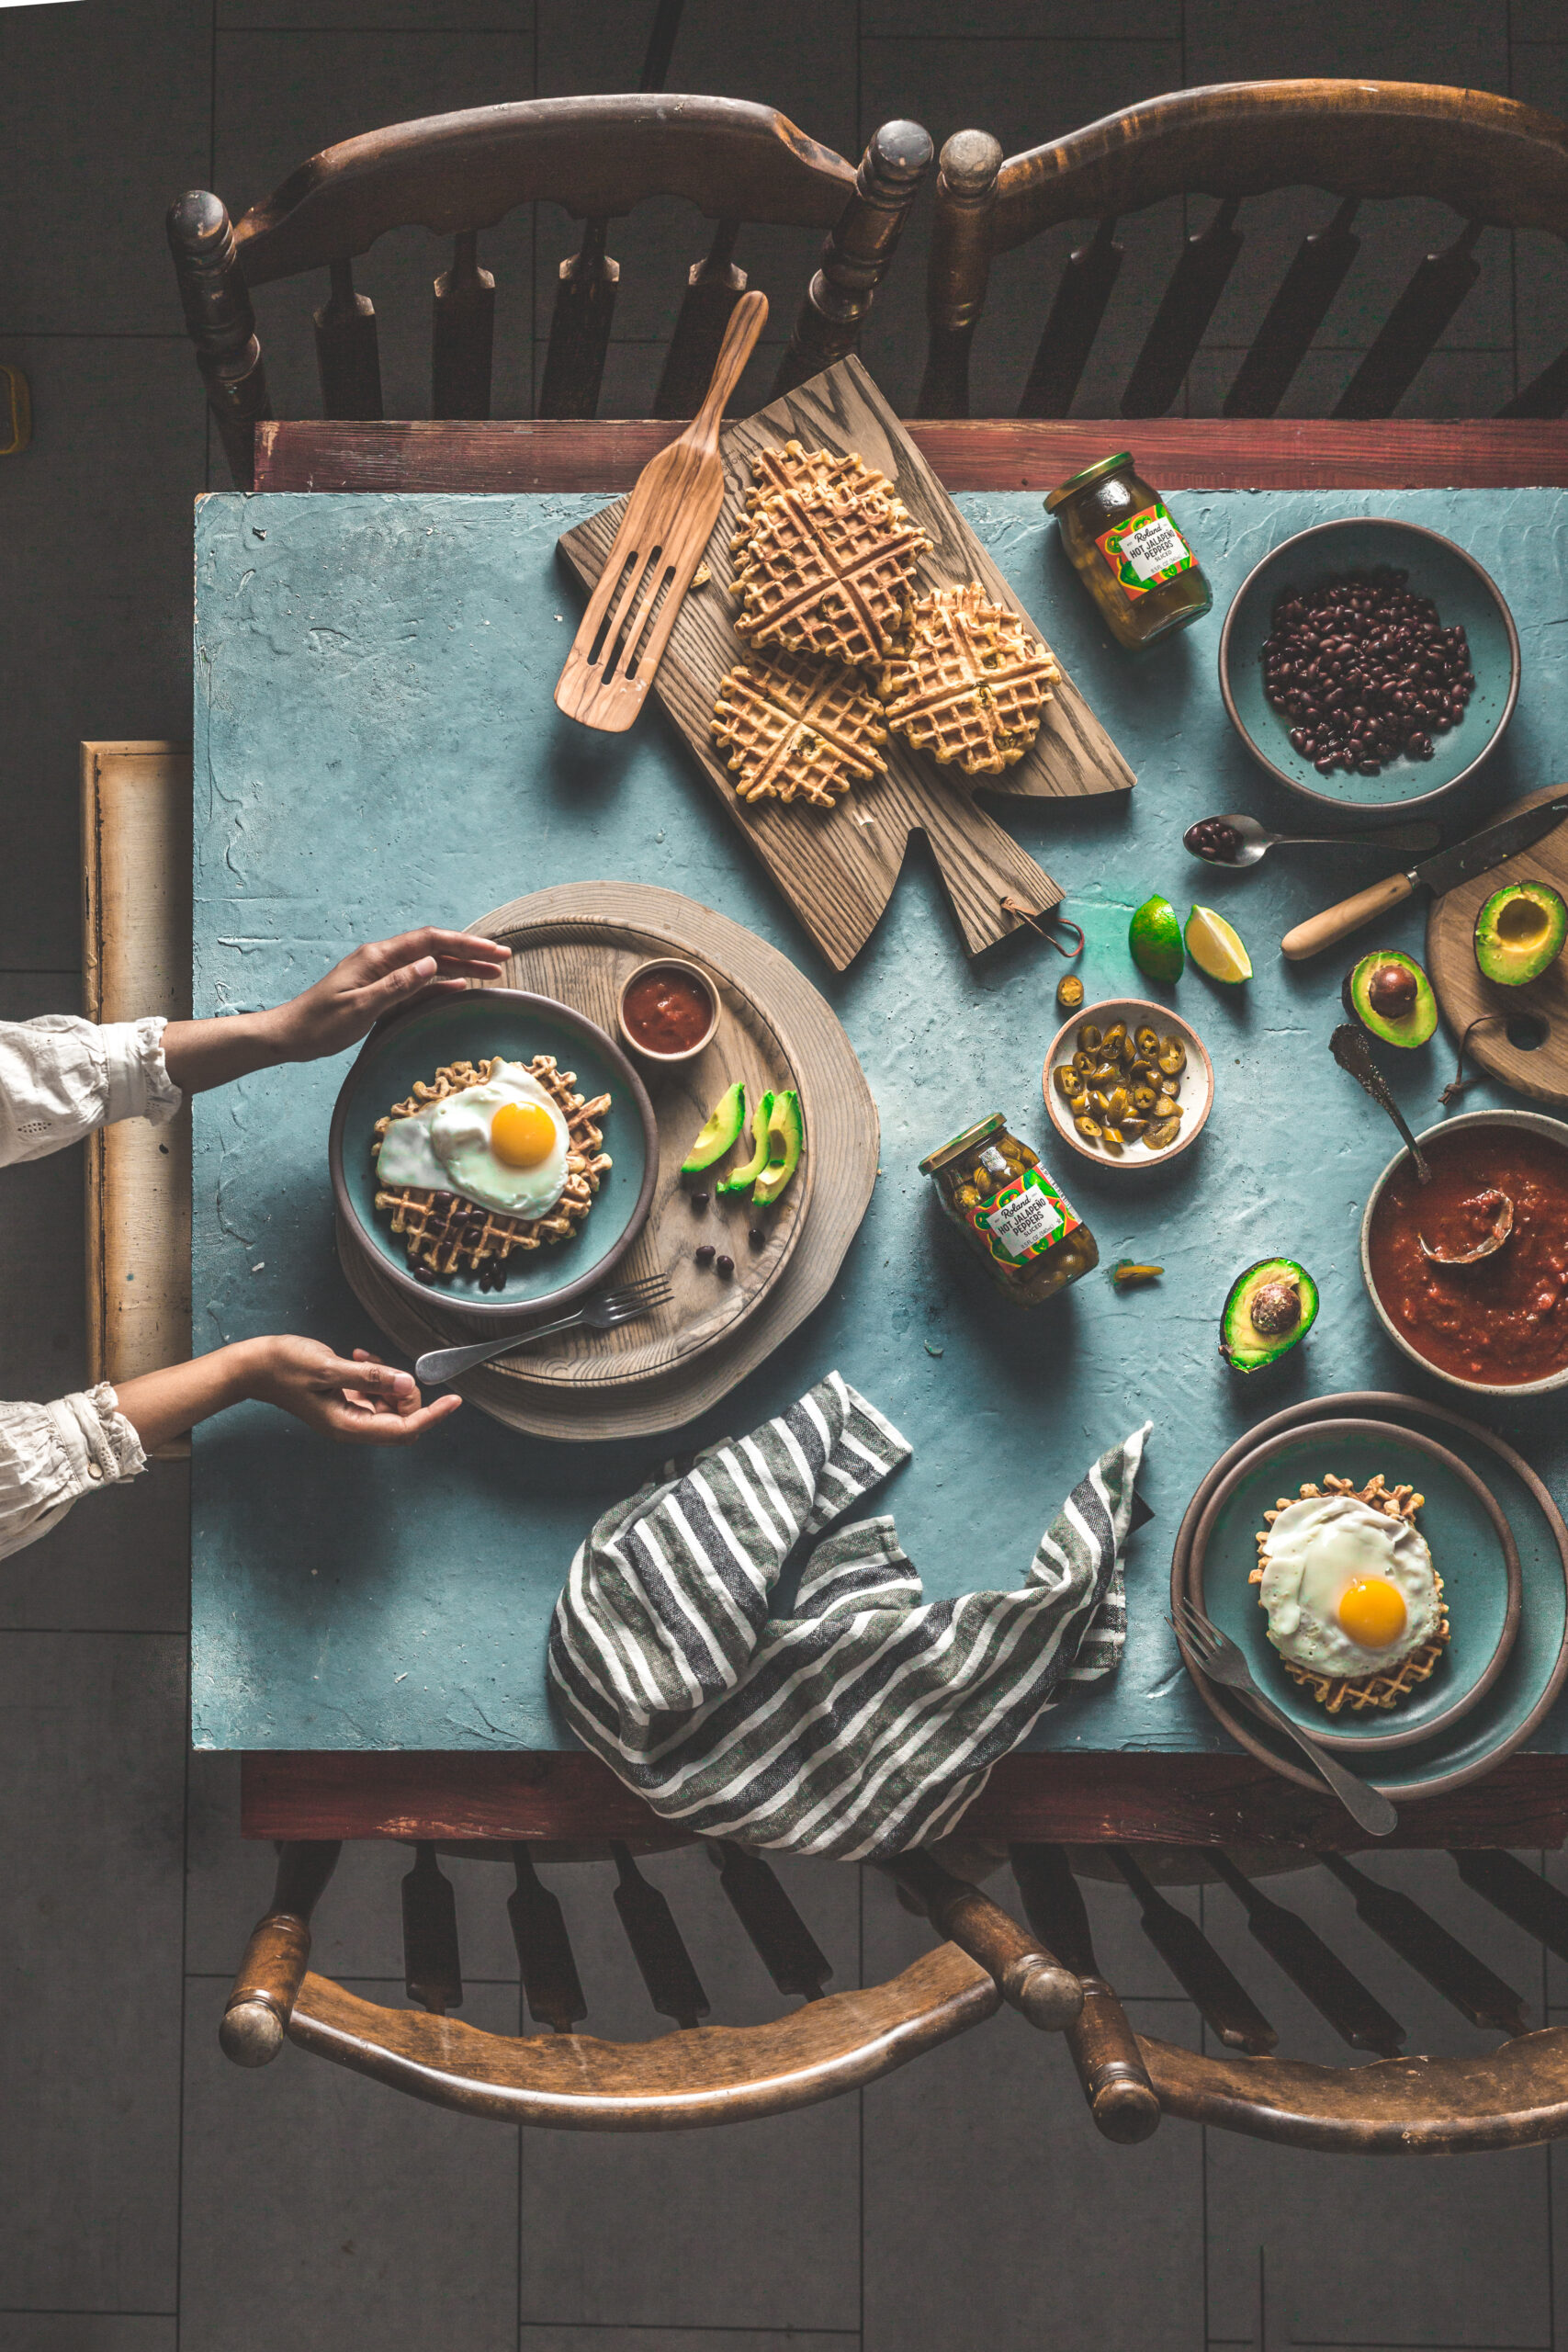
<point>663,535</point>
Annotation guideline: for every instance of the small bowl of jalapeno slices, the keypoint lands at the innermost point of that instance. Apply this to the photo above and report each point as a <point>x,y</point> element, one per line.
<point>1128,1082</point>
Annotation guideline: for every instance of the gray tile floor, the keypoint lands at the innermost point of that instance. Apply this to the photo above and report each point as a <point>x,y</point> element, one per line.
<point>152,2196</point>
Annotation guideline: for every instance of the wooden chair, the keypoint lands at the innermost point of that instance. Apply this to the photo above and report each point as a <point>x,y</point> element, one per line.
<point>1495,163</point>
<point>1514,2096</point>
<point>459,175</point>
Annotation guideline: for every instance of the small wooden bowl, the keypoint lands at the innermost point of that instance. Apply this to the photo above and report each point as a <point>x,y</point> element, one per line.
<point>688,1053</point>
<point>1195,1089</point>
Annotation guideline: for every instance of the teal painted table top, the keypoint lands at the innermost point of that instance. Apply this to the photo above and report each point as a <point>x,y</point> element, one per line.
<point>376,746</point>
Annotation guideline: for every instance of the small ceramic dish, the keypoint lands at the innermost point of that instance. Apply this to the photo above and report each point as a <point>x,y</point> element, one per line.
<point>1472,1550</point>
<point>1194,1091</point>
<point>1533,1122</point>
<point>1437,567</point>
<point>698,978</point>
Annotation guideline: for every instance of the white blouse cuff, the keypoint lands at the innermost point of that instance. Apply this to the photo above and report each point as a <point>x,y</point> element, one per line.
<point>139,1086</point>
<point>98,1442</point>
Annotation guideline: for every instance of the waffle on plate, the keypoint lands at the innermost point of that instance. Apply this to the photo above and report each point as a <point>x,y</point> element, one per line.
<point>968,681</point>
<point>826,569</point>
<point>793,468</point>
<point>796,728</point>
<point>1360,1694</point>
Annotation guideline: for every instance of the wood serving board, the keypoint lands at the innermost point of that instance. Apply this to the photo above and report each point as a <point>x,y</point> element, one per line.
<point>838,868</point>
<point>1541,1071</point>
<point>576,942</point>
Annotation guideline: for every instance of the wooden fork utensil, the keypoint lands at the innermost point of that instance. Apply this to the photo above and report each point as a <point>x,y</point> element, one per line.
<point>662,539</point>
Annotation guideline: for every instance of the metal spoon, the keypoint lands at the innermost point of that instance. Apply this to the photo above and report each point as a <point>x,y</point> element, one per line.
<point>1352,1051</point>
<point>1502,1225</point>
<point>1254,842</point>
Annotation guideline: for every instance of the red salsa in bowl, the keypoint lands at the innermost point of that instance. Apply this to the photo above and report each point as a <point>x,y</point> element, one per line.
<point>667,1011</point>
<point>1502,1321</point>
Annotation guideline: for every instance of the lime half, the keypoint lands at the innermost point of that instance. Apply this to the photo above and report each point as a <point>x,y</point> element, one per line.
<point>1215,947</point>
<point>1155,937</point>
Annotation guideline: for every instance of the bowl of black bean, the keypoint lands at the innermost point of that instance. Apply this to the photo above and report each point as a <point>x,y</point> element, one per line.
<point>1369,664</point>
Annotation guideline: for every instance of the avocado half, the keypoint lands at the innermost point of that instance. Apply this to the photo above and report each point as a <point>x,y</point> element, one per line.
<point>1391,997</point>
<point>1519,932</point>
<point>1270,1307</point>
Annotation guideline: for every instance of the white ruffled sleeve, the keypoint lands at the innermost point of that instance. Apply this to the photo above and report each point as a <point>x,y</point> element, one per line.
<point>61,1076</point>
<point>51,1454</point>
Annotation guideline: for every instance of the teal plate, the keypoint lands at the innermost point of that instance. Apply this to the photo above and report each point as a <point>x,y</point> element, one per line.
<point>1437,567</point>
<point>472,1027</point>
<point>1535,1667</point>
<point>1471,1549</point>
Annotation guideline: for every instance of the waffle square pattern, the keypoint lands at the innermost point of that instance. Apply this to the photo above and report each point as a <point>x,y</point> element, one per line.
<point>794,728</point>
<point>968,682</point>
<point>826,569</point>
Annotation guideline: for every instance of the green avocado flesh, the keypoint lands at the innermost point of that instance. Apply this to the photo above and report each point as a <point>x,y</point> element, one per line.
<point>759,1159</point>
<point>786,1136</point>
<point>1270,1307</point>
<point>723,1129</point>
<point>1391,997</point>
<point>1519,932</point>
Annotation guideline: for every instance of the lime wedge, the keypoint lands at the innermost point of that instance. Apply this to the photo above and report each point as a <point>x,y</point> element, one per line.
<point>1215,946</point>
<point>1155,937</point>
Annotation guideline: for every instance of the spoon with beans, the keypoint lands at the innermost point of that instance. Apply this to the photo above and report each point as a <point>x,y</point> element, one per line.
<point>1237,840</point>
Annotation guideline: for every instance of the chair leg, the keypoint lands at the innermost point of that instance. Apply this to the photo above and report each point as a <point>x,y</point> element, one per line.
<point>267,1985</point>
<point>1122,2099</point>
<point>221,324</point>
<point>1031,1979</point>
<point>856,254</point>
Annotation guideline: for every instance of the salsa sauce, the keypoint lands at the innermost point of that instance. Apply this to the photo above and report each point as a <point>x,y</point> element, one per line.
<point>1505,1319</point>
<point>666,1010</point>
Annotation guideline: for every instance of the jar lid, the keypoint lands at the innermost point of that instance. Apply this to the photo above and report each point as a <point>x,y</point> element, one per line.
<point>1097,472</point>
<point>966,1142</point>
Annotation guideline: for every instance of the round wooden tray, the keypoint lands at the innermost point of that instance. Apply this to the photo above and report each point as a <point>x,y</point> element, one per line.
<point>576,944</point>
<point>1541,1070</point>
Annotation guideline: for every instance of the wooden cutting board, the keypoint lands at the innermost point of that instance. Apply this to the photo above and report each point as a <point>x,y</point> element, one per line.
<point>1465,996</point>
<point>837,868</point>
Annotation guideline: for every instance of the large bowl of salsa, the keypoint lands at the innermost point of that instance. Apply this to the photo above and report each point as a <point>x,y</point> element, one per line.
<point>1499,1326</point>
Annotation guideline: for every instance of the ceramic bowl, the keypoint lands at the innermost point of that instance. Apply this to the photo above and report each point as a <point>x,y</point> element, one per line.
<point>1472,1550</point>
<point>1195,1091</point>
<point>1438,568</point>
<point>1536,1123</point>
<point>472,1027</point>
<point>693,972</point>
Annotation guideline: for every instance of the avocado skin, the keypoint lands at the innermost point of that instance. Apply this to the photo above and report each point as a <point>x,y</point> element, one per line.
<point>1418,1023</point>
<point>1245,1350</point>
<point>1501,959</point>
<point>720,1133</point>
<point>785,1121</point>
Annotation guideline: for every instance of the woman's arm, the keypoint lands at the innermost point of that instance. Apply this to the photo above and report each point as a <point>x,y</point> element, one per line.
<point>364,1402</point>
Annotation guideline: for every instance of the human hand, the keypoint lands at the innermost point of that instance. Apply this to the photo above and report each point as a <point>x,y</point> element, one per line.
<point>340,1009</point>
<point>362,1402</point>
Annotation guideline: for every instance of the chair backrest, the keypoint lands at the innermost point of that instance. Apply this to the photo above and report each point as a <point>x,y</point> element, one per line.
<point>459,175</point>
<point>1497,163</point>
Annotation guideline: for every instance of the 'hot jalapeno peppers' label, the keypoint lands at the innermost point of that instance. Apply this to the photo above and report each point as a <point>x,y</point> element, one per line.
<point>1023,1220</point>
<point>1145,550</point>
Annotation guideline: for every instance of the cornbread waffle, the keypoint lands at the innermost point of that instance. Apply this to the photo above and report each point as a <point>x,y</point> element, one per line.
<point>447,1233</point>
<point>1360,1693</point>
<point>825,571</point>
<point>968,682</point>
<point>794,727</point>
<point>793,468</point>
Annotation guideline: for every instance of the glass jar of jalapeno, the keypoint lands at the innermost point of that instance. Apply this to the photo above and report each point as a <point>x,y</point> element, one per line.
<point>1131,556</point>
<point>995,1191</point>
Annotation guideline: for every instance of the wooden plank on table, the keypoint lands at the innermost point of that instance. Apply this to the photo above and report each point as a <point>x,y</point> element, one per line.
<point>136,930</point>
<point>1073,1800</point>
<point>976,453</point>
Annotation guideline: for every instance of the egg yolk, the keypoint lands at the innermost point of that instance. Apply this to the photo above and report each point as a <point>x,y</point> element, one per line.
<point>521,1134</point>
<point>1372,1611</point>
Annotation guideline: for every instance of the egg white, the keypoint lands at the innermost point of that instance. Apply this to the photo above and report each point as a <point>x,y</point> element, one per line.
<point>446,1147</point>
<point>1315,1548</point>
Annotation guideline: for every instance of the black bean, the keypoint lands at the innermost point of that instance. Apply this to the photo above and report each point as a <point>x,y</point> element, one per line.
<point>724,1265</point>
<point>699,1199</point>
<point>757,1238</point>
<point>704,1255</point>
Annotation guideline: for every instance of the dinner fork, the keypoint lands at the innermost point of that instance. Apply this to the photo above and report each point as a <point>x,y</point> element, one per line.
<point>601,1314</point>
<point>1216,1654</point>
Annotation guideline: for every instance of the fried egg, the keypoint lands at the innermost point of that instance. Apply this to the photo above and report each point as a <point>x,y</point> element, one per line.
<point>1348,1590</point>
<point>503,1144</point>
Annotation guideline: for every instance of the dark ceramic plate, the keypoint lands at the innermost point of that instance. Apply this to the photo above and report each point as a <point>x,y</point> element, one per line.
<point>1437,567</point>
<point>472,1027</point>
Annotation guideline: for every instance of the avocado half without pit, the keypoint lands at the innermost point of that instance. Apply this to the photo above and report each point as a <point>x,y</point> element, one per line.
<point>1520,931</point>
<point>1270,1307</point>
<point>1391,997</point>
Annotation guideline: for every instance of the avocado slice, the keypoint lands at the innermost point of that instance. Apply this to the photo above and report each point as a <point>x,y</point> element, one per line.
<point>725,1122</point>
<point>786,1139</point>
<point>759,1159</point>
<point>1391,997</point>
<point>1271,1306</point>
<point>1519,932</point>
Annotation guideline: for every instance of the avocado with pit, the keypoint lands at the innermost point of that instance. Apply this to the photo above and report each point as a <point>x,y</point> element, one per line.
<point>722,1132</point>
<point>786,1139</point>
<point>1519,932</point>
<point>745,1176</point>
<point>1271,1306</point>
<point>1391,997</point>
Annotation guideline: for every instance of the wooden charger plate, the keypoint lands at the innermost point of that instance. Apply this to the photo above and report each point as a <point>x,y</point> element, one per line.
<point>576,944</point>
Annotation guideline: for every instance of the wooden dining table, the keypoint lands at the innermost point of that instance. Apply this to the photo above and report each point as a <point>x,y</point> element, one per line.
<point>1075,1798</point>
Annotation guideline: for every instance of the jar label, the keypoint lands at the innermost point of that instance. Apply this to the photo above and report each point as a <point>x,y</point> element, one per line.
<point>1023,1220</point>
<point>1145,550</point>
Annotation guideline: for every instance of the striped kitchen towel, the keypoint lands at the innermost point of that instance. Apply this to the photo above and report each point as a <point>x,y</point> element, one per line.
<point>864,1721</point>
